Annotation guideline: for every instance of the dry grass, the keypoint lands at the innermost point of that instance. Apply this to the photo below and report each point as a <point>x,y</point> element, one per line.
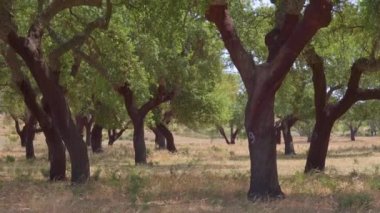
<point>204,176</point>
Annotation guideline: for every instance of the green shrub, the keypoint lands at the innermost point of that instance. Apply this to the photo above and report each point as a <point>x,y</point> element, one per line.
<point>354,201</point>
<point>136,184</point>
<point>45,172</point>
<point>375,183</point>
<point>10,159</point>
<point>96,174</point>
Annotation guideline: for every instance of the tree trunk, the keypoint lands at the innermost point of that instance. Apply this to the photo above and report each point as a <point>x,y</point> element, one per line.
<point>88,127</point>
<point>234,134</point>
<point>353,131</point>
<point>57,155</point>
<point>277,129</point>
<point>223,133</point>
<point>80,123</point>
<point>320,138</point>
<point>111,136</point>
<point>308,139</point>
<point>96,138</point>
<point>169,137</point>
<point>28,134</point>
<point>286,125</point>
<point>159,140</point>
<point>288,140</point>
<point>262,149</point>
<point>28,49</point>
<point>139,141</point>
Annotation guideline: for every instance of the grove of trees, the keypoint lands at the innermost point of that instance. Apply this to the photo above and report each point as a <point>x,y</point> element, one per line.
<point>73,69</point>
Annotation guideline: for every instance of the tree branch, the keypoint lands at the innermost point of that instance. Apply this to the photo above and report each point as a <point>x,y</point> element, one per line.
<point>315,62</point>
<point>93,63</point>
<point>129,99</point>
<point>223,133</point>
<point>317,15</point>
<point>350,96</point>
<point>161,96</point>
<point>81,37</point>
<point>368,94</point>
<point>59,5</point>
<point>287,17</point>
<point>218,14</point>
<point>17,125</point>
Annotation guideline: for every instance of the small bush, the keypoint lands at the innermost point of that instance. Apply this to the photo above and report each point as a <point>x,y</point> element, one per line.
<point>149,152</point>
<point>10,159</point>
<point>375,183</point>
<point>96,174</point>
<point>135,185</point>
<point>45,172</point>
<point>216,149</point>
<point>328,182</point>
<point>354,201</point>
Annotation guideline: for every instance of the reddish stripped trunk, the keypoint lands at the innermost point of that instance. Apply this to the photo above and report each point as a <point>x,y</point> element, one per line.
<point>285,43</point>
<point>319,144</point>
<point>262,148</point>
<point>29,50</point>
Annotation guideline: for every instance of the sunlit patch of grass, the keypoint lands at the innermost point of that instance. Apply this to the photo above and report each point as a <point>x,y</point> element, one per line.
<point>202,176</point>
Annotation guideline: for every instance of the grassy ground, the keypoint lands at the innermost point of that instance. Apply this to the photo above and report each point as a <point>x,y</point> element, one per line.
<point>204,176</point>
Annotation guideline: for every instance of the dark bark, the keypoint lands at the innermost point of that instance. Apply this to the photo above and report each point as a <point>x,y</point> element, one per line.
<point>18,130</point>
<point>56,149</point>
<point>159,139</point>
<point>327,114</point>
<point>96,138</point>
<point>319,143</point>
<point>168,136</point>
<point>88,127</point>
<point>139,141</point>
<point>353,131</point>
<point>277,129</point>
<point>57,156</point>
<point>30,50</point>
<point>28,133</point>
<point>223,133</point>
<point>80,121</point>
<point>114,135</point>
<point>234,134</point>
<point>286,125</point>
<point>308,139</point>
<point>262,148</point>
<point>263,81</point>
<point>138,115</point>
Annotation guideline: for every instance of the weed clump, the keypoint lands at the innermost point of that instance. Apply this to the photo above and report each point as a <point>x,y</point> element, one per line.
<point>10,159</point>
<point>357,201</point>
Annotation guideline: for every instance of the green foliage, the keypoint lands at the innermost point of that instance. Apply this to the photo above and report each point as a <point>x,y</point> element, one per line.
<point>253,25</point>
<point>96,174</point>
<point>10,159</point>
<point>136,183</point>
<point>296,94</point>
<point>354,201</point>
<point>45,172</point>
